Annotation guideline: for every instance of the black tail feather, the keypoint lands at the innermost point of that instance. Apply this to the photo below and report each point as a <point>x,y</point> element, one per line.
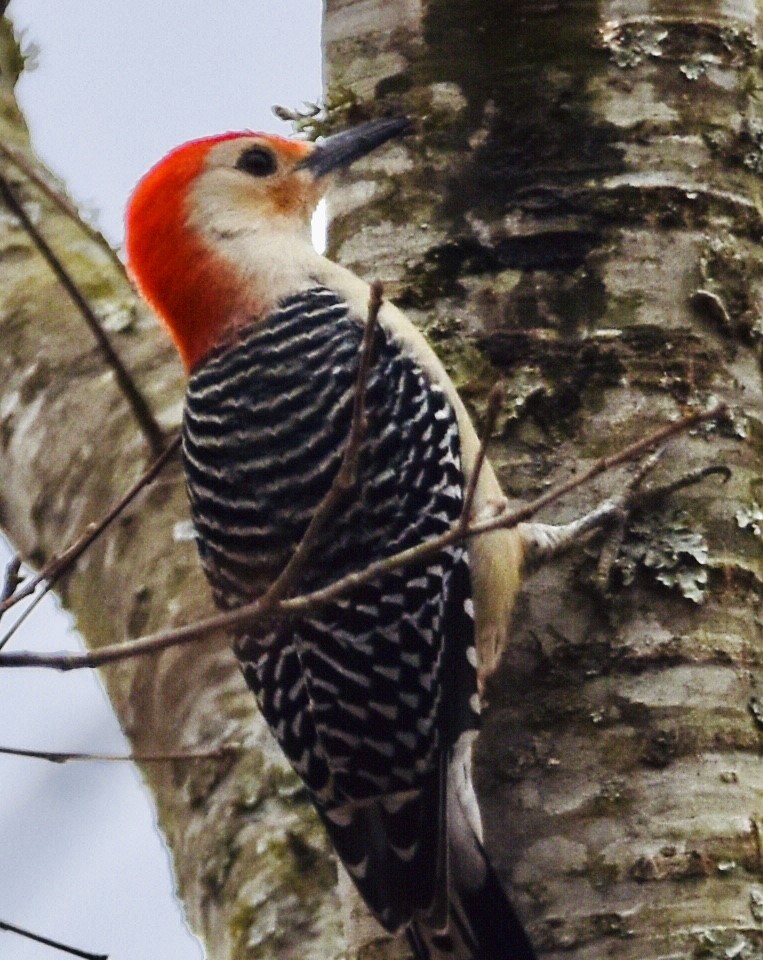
<point>497,930</point>
<point>483,926</point>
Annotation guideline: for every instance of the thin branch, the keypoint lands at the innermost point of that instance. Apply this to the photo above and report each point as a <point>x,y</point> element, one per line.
<point>25,614</point>
<point>494,404</point>
<point>642,471</point>
<point>11,581</point>
<point>72,951</point>
<point>64,205</point>
<point>59,756</point>
<point>299,606</point>
<point>142,412</point>
<point>58,565</point>
<point>347,475</point>
<point>359,426</point>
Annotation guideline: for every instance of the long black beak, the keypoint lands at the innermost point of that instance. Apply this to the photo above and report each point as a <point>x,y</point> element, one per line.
<point>341,149</point>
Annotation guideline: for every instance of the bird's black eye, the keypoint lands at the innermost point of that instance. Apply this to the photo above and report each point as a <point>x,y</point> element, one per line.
<point>258,161</point>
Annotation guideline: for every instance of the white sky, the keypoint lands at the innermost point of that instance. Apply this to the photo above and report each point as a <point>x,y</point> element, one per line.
<point>118,84</point>
<point>121,83</point>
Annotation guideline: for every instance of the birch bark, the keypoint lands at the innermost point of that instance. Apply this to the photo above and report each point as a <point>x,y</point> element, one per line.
<point>580,216</point>
<point>252,864</point>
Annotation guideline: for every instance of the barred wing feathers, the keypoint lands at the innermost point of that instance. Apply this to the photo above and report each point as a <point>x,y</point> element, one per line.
<point>369,695</point>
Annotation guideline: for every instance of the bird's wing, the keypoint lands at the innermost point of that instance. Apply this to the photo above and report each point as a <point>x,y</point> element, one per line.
<point>355,693</point>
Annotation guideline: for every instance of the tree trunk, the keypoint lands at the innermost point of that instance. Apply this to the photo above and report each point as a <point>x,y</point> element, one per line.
<point>579,215</point>
<point>252,863</point>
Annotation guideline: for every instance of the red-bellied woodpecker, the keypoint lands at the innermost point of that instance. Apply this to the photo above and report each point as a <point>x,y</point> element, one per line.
<point>372,697</point>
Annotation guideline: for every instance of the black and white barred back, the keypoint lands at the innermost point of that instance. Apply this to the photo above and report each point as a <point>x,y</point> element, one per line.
<point>367,696</point>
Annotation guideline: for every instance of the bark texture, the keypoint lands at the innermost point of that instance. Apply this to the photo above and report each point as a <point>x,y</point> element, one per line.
<point>252,863</point>
<point>580,215</point>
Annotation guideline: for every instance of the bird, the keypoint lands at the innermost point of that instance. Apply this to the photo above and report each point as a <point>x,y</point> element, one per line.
<point>373,697</point>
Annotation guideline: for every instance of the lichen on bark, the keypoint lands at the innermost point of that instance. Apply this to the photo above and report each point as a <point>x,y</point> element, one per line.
<point>252,863</point>
<point>579,214</point>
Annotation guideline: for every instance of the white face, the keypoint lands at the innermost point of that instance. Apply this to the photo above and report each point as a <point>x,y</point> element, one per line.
<point>252,205</point>
<point>253,184</point>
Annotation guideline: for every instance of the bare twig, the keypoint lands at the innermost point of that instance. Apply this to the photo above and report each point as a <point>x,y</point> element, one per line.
<point>494,403</point>
<point>642,471</point>
<point>64,205</point>
<point>61,562</point>
<point>11,582</point>
<point>145,418</point>
<point>72,951</point>
<point>347,475</point>
<point>359,426</point>
<point>59,756</point>
<point>299,606</point>
<point>27,612</point>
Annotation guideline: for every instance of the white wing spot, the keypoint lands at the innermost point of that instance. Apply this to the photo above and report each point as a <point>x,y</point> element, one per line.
<point>407,739</point>
<point>302,766</point>
<point>386,710</point>
<point>406,854</point>
<point>358,870</point>
<point>394,802</point>
<point>380,746</point>
<point>360,712</point>
<point>341,816</point>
